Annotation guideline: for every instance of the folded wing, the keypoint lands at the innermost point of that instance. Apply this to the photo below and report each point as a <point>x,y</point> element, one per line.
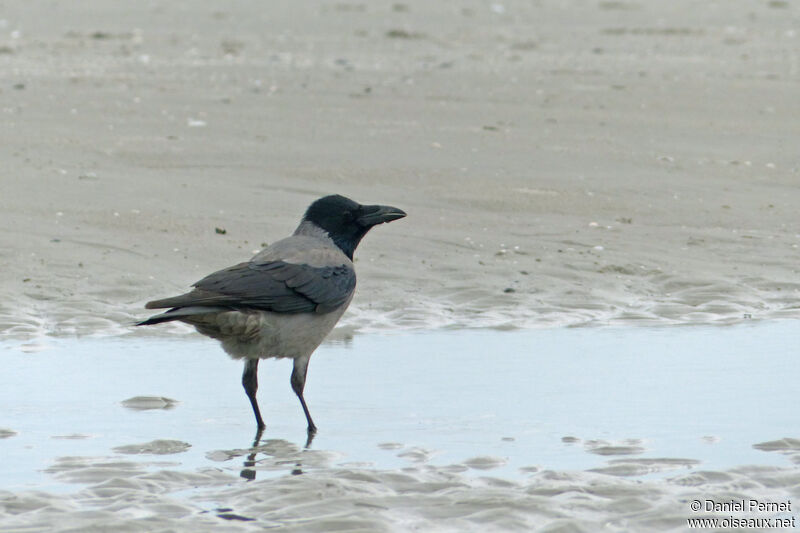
<point>275,286</point>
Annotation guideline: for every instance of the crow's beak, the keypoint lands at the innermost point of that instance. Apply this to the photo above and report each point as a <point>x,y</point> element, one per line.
<point>378,214</point>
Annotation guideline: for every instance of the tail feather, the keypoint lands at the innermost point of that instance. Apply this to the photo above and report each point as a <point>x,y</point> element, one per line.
<point>157,319</point>
<point>179,313</point>
<point>164,303</point>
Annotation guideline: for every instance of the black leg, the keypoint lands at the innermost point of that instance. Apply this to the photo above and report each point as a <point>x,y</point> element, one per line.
<point>250,384</point>
<point>298,384</point>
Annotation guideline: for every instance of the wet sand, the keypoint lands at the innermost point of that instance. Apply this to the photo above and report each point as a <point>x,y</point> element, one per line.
<point>561,162</point>
<point>567,429</point>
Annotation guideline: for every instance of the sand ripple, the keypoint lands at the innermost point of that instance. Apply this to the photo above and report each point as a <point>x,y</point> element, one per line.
<point>144,403</point>
<point>156,447</point>
<point>126,496</point>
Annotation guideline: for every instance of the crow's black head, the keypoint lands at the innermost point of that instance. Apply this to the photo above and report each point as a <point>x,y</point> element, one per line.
<point>346,221</point>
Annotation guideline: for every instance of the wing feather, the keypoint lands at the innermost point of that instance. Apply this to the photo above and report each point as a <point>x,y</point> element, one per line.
<point>271,286</point>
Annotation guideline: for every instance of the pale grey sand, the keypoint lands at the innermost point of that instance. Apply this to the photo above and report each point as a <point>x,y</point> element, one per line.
<point>417,499</point>
<point>561,162</point>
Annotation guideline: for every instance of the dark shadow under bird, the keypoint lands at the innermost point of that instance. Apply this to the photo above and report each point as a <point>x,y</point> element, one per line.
<point>287,298</point>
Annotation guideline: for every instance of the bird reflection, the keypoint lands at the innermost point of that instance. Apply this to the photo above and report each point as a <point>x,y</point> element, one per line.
<point>249,472</point>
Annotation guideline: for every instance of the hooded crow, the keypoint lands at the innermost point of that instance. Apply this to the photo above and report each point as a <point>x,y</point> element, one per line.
<point>287,298</point>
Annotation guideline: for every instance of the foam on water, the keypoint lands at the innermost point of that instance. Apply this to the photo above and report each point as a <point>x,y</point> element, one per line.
<point>603,298</point>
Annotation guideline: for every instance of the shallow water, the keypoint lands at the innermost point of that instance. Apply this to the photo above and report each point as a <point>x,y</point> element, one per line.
<point>652,405</point>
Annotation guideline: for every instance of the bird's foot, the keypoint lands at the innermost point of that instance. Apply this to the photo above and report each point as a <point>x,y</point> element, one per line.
<point>259,432</point>
<point>312,432</point>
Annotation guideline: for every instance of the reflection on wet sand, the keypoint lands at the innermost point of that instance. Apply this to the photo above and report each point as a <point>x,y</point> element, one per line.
<point>605,421</point>
<point>249,472</point>
<point>419,497</point>
<point>276,456</point>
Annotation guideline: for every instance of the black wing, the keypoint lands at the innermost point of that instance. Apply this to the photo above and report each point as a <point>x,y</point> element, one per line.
<point>273,286</point>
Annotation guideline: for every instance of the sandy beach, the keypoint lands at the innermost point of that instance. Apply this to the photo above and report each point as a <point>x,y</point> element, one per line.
<point>609,162</point>
<point>566,429</point>
<point>562,163</point>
